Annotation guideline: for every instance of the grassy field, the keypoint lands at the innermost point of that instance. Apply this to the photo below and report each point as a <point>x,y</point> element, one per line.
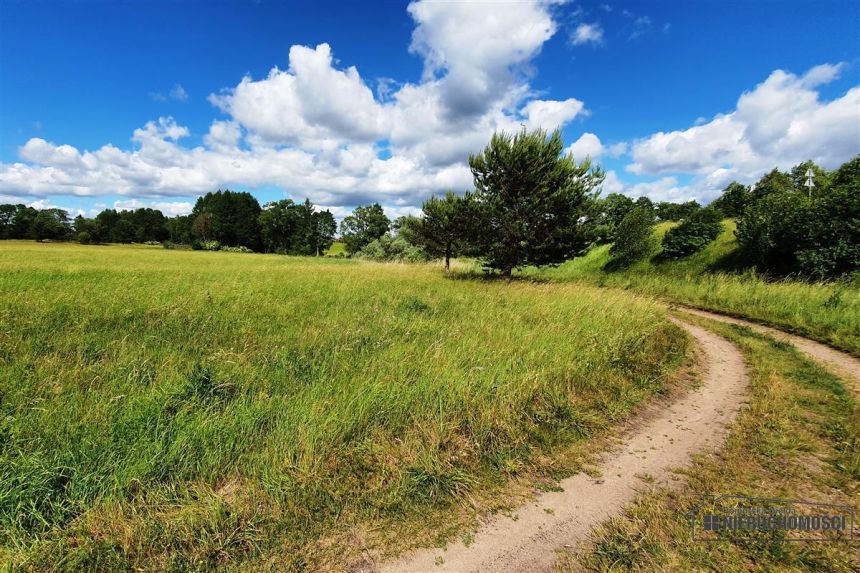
<point>798,439</point>
<point>183,410</point>
<point>829,312</point>
<point>337,249</point>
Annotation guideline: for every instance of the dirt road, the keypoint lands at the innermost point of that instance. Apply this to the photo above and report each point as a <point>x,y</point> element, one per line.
<point>843,365</point>
<point>694,423</point>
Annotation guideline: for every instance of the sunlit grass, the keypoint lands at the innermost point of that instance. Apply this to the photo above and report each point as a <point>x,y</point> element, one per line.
<point>337,249</point>
<point>829,312</point>
<point>192,410</point>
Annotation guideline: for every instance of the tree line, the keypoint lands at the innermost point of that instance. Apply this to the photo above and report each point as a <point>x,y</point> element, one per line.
<point>222,219</point>
<point>531,205</point>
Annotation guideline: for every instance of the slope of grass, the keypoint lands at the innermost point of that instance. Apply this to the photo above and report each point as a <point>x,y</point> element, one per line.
<point>829,312</point>
<point>798,439</point>
<point>337,249</point>
<point>187,411</point>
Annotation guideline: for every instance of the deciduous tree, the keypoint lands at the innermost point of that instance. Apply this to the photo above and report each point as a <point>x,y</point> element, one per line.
<point>366,224</point>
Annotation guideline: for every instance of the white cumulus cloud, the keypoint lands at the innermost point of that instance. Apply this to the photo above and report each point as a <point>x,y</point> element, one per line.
<point>588,145</point>
<point>781,122</point>
<point>317,129</point>
<point>550,114</point>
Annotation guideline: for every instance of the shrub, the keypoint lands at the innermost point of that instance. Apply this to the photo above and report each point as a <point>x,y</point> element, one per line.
<point>633,239</point>
<point>388,248</point>
<point>239,249</point>
<point>734,200</point>
<point>366,224</point>
<point>668,211</point>
<point>206,246</point>
<point>769,230</point>
<point>693,234</point>
<point>85,238</point>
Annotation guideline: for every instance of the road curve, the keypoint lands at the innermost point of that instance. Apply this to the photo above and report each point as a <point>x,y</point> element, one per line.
<point>696,422</point>
<point>839,363</point>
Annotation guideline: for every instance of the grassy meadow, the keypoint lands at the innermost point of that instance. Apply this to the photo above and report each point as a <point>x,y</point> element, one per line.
<point>827,311</point>
<point>185,410</point>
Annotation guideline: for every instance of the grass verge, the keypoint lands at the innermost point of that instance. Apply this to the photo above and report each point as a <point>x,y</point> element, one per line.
<point>799,438</point>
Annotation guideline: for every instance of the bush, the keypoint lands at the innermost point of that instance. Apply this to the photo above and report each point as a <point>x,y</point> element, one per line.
<point>206,246</point>
<point>668,211</point>
<point>388,248</point>
<point>772,229</point>
<point>85,238</point>
<point>239,249</point>
<point>634,238</point>
<point>693,234</point>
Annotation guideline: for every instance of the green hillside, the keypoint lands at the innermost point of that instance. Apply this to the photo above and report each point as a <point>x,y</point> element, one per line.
<point>827,311</point>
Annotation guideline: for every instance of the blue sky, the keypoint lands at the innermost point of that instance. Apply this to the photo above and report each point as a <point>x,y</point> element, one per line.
<point>129,104</point>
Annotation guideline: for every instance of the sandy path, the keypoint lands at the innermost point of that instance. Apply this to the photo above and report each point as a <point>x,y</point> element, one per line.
<point>694,423</point>
<point>843,365</point>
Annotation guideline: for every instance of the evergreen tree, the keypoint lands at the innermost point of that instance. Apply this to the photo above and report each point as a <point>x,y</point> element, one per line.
<point>529,199</point>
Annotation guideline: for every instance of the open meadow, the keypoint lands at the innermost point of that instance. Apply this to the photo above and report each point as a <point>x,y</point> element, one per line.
<point>185,410</point>
<point>526,286</point>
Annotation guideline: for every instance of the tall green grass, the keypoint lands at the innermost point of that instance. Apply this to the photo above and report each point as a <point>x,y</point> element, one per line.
<point>829,312</point>
<point>182,410</point>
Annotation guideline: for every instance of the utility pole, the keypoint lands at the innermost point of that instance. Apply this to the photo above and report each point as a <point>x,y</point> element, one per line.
<point>809,182</point>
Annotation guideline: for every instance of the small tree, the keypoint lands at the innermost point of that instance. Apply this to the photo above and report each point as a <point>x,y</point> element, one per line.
<point>820,177</point>
<point>787,232</point>
<point>668,211</point>
<point>529,200</point>
<point>693,234</point>
<point>615,208</point>
<point>774,182</point>
<point>634,238</point>
<point>7,218</point>
<point>324,230</point>
<point>442,231</point>
<point>84,230</point>
<point>645,203</point>
<point>734,200</point>
<point>22,222</point>
<point>233,218</point>
<point>202,226</point>
<point>365,225</point>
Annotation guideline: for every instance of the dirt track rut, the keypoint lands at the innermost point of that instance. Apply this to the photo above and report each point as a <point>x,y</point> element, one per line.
<point>839,363</point>
<point>694,423</point>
